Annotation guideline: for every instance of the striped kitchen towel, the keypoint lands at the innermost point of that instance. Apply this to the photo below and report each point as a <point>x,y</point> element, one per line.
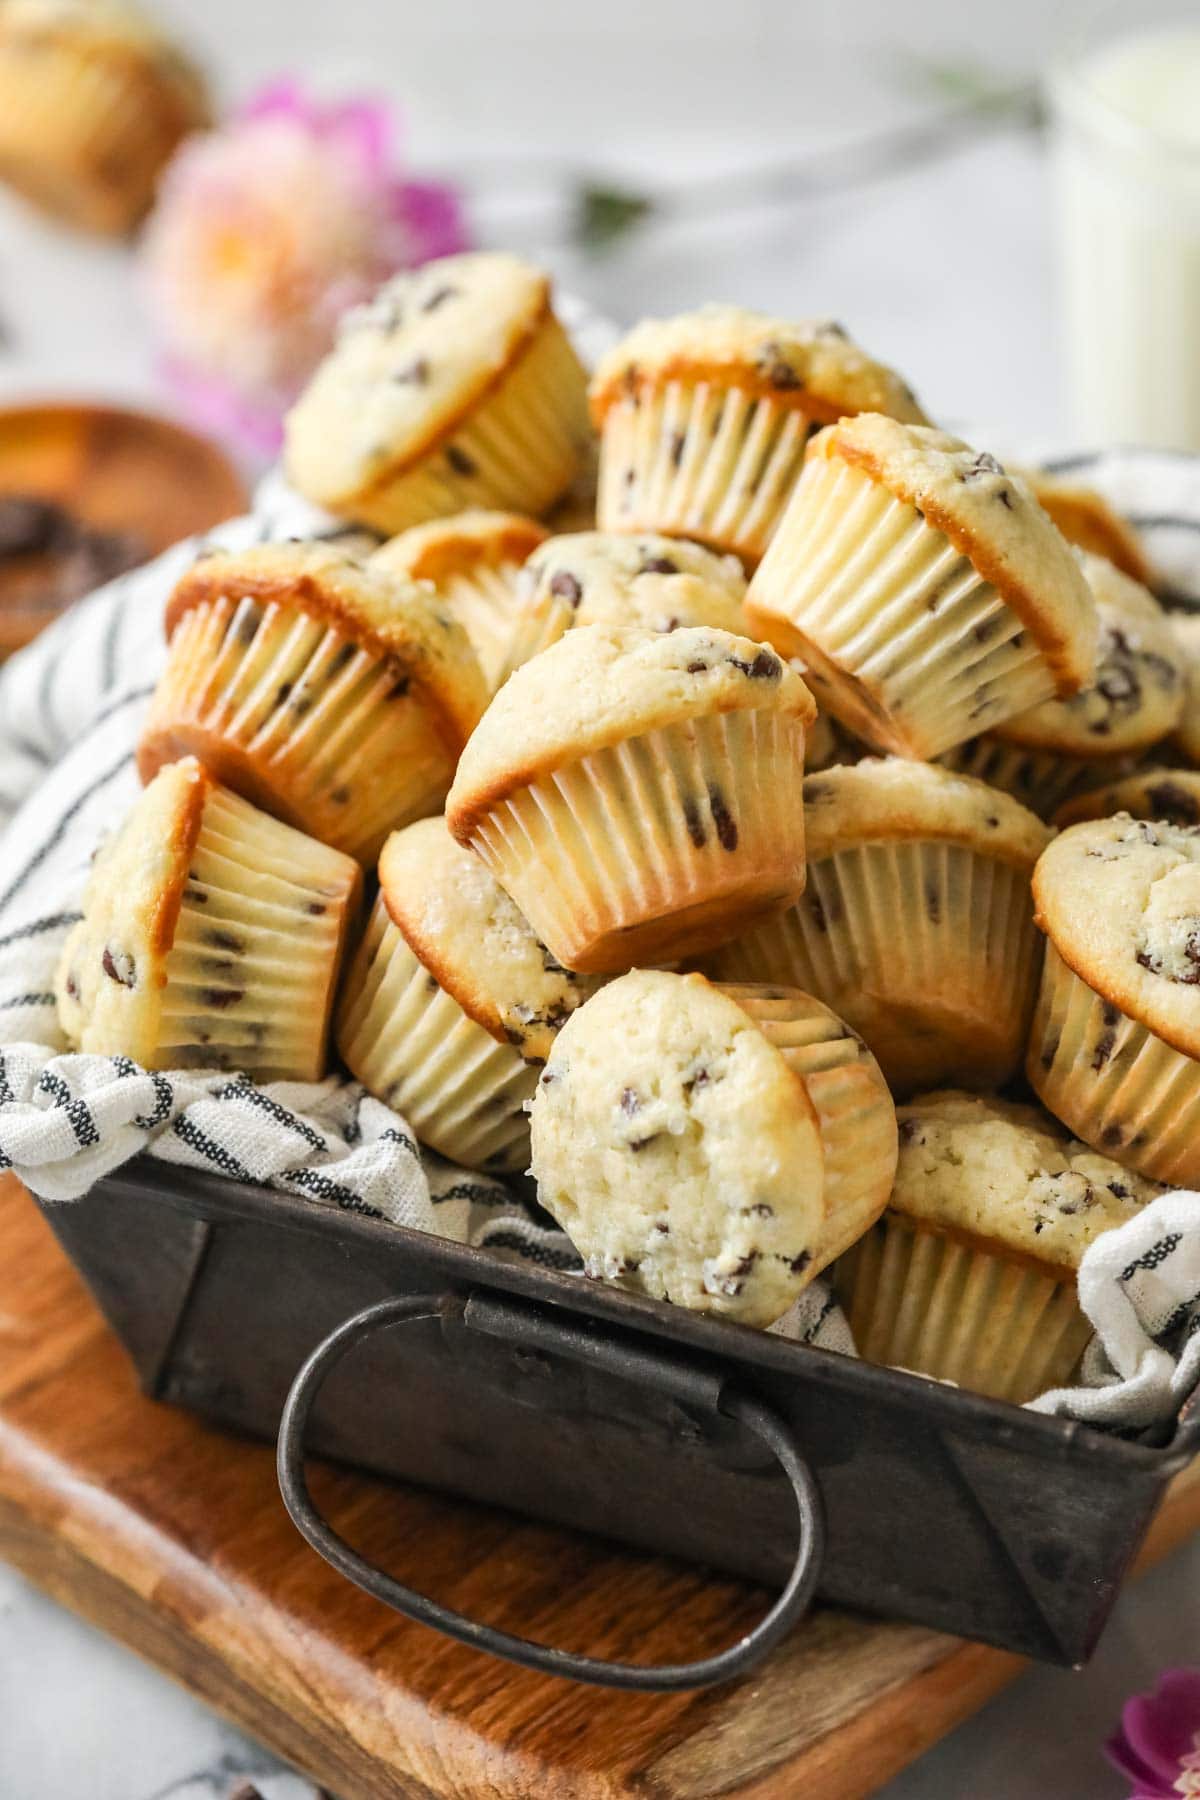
<point>70,712</point>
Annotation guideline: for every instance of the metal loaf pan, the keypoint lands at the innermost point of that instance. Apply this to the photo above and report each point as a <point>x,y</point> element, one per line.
<point>574,1402</point>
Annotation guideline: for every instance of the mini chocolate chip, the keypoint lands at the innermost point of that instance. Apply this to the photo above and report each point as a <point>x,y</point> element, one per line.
<point>565,586</point>
<point>636,1144</point>
<point>1111,1136</point>
<point>249,619</point>
<point>343,655</point>
<point>1104,1049</point>
<point>629,477</point>
<point>798,1264</point>
<point>723,819</point>
<point>695,825</point>
<point>315,908</point>
<point>983,465</point>
<point>72,987</point>
<point>1049,1051</point>
<point>658,565</point>
<point>661,1226</point>
<point>817,912</point>
<point>700,1079</point>
<point>697,668</point>
<point>283,693</point>
<point>933,903</point>
<point>224,940</point>
<point>677,444</point>
<point>220,998</point>
<point>547,1077</point>
<point>630,1102</point>
<point>760,1210</point>
<point>399,687</point>
<point>777,370</point>
<point>413,374</point>
<point>765,667</point>
<point>438,298</point>
<point>459,461</point>
<point>1172,802</point>
<point>910,1130</point>
<point>1005,498</point>
<point>120,967</point>
<point>340,796</point>
<point>196,895</point>
<point>1118,1190</point>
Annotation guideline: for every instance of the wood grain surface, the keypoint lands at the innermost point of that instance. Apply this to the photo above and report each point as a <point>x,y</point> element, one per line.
<point>171,1536</point>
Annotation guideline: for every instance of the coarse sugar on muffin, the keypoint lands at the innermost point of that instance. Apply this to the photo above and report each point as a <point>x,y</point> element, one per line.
<point>1151,793</point>
<point>970,1274</point>
<point>623,578</point>
<point>1115,1042</point>
<point>451,1004</point>
<point>926,591</point>
<point>474,560</point>
<point>1133,700</point>
<point>455,387</point>
<point>1085,518</point>
<point>93,101</point>
<point>211,937</point>
<point>703,419</point>
<point>638,793</point>
<point>916,925</point>
<point>853,1105</point>
<point>678,1151</point>
<point>329,692</point>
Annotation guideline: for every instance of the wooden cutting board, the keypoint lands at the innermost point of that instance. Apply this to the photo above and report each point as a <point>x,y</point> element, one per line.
<point>172,1537</point>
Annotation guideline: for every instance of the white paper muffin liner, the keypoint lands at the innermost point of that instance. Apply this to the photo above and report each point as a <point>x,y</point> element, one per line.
<point>700,460</point>
<point>517,450</point>
<point>486,602</point>
<point>854,1108</point>
<point>927,948</point>
<point>288,711</point>
<point>1111,1081</point>
<point>960,1310</point>
<point>904,641</point>
<point>412,1045</point>
<point>659,846</point>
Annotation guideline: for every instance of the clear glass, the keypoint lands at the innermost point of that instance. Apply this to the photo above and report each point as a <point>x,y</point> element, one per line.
<point>1126,112</point>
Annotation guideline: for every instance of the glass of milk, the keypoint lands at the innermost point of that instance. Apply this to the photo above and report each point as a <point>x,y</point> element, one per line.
<point>1127,151</point>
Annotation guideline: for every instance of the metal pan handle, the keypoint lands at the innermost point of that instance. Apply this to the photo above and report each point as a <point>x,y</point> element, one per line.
<point>727,1664</point>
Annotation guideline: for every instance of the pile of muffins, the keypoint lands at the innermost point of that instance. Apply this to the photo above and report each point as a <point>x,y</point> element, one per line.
<point>927,1016</point>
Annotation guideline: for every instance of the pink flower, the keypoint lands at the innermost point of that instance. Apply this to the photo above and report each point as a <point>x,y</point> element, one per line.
<point>1158,1743</point>
<point>264,232</point>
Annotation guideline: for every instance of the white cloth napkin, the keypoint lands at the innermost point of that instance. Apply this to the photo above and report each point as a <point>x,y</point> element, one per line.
<point>70,711</point>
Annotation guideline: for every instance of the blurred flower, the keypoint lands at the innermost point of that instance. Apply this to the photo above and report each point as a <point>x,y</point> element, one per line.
<point>1158,1744</point>
<point>264,232</point>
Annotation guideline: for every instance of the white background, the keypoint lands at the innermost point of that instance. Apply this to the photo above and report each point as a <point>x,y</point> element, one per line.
<point>944,270</point>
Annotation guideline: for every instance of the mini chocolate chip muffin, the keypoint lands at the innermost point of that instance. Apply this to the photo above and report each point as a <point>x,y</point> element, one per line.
<point>455,387</point>
<point>1185,628</point>
<point>853,1105</point>
<point>211,937</point>
<point>1085,518</point>
<point>970,1274</point>
<point>926,591</point>
<point>333,694</point>
<point>1133,700</point>
<point>704,418</point>
<point>638,793</point>
<point>916,925</point>
<point>451,1004</point>
<point>678,1150</point>
<point>1115,1042</point>
<point>1153,793</point>
<point>474,561</point>
<point>622,578</point>
<point>93,101</point>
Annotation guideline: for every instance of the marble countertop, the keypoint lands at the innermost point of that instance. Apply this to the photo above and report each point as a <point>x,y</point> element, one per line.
<point>973,326</point>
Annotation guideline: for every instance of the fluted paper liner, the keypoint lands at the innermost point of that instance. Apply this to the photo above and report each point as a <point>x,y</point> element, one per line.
<point>955,1308</point>
<point>700,460</point>
<point>659,846</point>
<point>1042,780</point>
<point>288,711</point>
<point>927,948</point>
<point>1111,1081</point>
<point>485,601</point>
<point>850,1097</point>
<point>904,641</point>
<point>517,449</point>
<point>411,1044</point>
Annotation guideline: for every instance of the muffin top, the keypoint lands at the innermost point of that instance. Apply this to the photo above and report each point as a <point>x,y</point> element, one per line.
<point>107,28</point>
<point>1120,901</point>
<point>1085,518</point>
<point>624,578</point>
<point>992,519</point>
<point>1156,793</point>
<point>677,1149</point>
<point>1185,629</point>
<point>1009,1174</point>
<point>407,367</point>
<point>400,620</point>
<point>474,940</point>
<point>809,364</point>
<point>601,684</point>
<point>890,797</point>
<point>455,546</point>
<point>1134,697</point>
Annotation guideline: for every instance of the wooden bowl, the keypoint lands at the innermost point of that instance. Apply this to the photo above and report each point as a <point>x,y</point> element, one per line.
<point>124,474</point>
